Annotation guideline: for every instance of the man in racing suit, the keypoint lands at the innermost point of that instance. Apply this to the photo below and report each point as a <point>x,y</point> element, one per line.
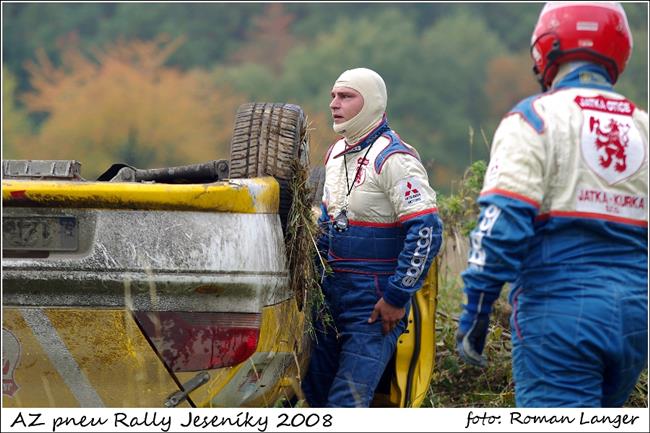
<point>380,234</point>
<point>564,219</point>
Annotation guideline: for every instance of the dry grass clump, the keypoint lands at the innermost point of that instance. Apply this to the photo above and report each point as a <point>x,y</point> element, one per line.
<point>303,260</point>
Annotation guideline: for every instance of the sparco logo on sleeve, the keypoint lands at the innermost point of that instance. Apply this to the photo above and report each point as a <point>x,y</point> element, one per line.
<point>477,253</point>
<point>419,258</point>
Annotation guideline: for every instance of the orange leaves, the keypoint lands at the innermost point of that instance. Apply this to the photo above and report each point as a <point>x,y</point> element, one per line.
<point>149,56</point>
<point>124,105</point>
<point>270,39</point>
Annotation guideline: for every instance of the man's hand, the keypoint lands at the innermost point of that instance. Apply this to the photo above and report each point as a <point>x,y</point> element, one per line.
<point>470,342</point>
<point>390,315</point>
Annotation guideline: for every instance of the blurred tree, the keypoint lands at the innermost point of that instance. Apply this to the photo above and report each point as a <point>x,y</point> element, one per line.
<point>445,92</point>
<point>315,18</point>
<point>28,26</point>
<point>16,131</point>
<point>124,105</point>
<point>512,21</point>
<point>509,80</point>
<point>213,30</point>
<point>435,82</point>
<point>449,66</point>
<point>637,14</point>
<point>269,39</point>
<point>633,83</point>
<point>321,135</point>
<point>310,71</point>
<point>255,81</point>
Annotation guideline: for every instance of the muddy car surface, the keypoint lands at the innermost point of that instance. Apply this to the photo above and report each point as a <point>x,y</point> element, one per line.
<point>169,287</point>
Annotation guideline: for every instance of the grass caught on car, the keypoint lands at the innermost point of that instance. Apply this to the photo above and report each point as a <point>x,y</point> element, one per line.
<point>303,260</point>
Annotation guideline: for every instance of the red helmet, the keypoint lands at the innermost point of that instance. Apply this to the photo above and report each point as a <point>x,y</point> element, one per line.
<point>569,31</point>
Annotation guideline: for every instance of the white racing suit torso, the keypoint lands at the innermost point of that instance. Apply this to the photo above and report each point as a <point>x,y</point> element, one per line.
<point>392,237</point>
<point>394,228</point>
<point>564,219</point>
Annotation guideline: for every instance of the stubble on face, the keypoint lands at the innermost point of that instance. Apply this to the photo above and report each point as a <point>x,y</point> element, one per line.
<point>346,103</point>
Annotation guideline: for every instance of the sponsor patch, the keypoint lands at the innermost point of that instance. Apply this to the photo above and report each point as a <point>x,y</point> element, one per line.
<point>10,360</point>
<point>362,165</point>
<point>611,203</point>
<point>610,143</point>
<point>411,191</point>
<point>605,105</point>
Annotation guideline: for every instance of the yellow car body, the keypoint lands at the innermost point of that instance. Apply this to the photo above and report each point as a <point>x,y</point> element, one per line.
<point>85,326</point>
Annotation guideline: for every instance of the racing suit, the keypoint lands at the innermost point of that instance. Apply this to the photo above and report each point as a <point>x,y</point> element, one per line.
<point>564,219</point>
<point>394,233</point>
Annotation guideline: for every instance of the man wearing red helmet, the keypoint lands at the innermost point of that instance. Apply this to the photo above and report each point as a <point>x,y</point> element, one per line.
<point>564,219</point>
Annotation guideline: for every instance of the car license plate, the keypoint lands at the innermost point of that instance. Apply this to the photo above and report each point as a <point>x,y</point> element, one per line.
<point>37,233</point>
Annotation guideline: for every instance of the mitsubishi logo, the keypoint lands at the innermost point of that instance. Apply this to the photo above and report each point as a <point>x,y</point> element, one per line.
<point>410,189</point>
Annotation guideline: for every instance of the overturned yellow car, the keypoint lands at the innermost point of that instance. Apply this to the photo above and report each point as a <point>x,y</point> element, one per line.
<point>170,287</point>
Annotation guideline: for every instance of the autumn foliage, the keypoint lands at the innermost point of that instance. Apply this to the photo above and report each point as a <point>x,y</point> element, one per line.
<point>122,104</point>
<point>508,81</point>
<point>269,39</point>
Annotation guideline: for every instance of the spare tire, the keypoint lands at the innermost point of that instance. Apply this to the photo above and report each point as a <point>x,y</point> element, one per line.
<point>267,139</point>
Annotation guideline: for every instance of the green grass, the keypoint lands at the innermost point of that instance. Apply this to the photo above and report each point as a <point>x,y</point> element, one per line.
<point>456,384</point>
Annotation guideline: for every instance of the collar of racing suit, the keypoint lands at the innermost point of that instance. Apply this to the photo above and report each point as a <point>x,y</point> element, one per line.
<point>586,75</point>
<point>368,139</point>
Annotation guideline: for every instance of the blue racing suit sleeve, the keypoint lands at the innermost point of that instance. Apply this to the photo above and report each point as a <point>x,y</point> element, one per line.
<point>497,247</point>
<point>513,189</point>
<point>421,244</point>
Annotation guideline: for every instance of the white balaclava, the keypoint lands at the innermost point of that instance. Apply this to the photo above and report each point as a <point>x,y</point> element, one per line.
<point>373,89</point>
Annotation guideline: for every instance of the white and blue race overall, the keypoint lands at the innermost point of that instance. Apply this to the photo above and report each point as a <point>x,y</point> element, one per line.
<point>564,219</point>
<point>392,237</point>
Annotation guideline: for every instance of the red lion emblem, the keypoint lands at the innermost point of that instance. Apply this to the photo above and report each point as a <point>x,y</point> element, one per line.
<point>613,138</point>
<point>360,177</point>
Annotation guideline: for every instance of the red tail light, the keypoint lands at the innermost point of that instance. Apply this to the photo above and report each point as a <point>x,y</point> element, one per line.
<point>201,341</point>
